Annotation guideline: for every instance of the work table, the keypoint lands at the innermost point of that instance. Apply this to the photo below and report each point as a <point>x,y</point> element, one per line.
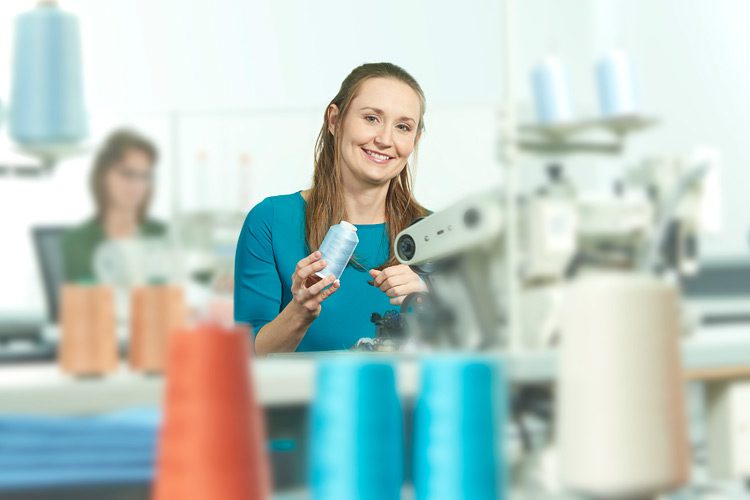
<point>712,354</point>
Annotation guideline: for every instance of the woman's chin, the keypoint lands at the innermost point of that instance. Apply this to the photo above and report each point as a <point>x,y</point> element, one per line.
<point>378,175</point>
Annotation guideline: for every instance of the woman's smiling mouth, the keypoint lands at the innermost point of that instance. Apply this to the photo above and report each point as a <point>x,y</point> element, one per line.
<point>376,157</point>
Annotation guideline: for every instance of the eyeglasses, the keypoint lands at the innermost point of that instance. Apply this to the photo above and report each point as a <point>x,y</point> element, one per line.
<point>134,175</point>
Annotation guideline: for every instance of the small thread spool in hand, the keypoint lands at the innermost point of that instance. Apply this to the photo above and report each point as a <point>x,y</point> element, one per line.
<point>337,249</point>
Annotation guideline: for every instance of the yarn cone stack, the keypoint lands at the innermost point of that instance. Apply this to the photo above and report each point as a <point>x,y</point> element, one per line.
<point>212,444</point>
<point>88,344</point>
<point>156,312</point>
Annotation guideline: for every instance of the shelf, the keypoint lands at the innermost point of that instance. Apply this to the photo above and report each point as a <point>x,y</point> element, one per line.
<point>565,138</point>
<point>37,161</point>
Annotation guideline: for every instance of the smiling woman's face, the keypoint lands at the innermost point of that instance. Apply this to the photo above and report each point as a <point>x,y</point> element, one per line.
<point>379,131</point>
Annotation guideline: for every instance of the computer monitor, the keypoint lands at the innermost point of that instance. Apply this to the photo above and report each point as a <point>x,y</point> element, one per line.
<point>49,252</point>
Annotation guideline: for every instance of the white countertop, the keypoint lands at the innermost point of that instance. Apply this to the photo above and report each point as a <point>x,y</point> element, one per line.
<point>289,379</point>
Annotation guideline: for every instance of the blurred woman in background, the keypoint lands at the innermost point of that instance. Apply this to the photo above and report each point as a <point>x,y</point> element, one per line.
<point>122,185</point>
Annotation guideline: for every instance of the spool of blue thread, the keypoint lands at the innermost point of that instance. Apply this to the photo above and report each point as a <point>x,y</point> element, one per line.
<point>357,444</point>
<point>614,77</point>
<point>549,81</point>
<point>337,248</point>
<point>46,106</point>
<point>458,429</point>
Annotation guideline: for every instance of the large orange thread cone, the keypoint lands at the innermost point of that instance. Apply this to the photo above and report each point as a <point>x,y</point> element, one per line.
<point>156,311</point>
<point>88,343</point>
<point>212,444</point>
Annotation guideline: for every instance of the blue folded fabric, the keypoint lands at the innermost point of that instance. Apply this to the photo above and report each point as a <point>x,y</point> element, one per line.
<point>116,448</point>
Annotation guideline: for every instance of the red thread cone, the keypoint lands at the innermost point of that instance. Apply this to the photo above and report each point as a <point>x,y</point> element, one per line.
<point>88,343</point>
<point>212,444</point>
<point>156,312</point>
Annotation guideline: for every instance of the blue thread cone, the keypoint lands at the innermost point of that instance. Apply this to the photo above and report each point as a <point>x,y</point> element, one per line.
<point>47,105</point>
<point>459,422</point>
<point>614,78</point>
<point>337,248</point>
<point>549,79</point>
<point>357,444</point>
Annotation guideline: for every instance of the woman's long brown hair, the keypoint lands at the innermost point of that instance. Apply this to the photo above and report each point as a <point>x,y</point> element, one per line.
<point>325,204</point>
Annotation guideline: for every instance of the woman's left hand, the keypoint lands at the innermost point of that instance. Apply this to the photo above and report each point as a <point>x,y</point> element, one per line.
<point>397,282</point>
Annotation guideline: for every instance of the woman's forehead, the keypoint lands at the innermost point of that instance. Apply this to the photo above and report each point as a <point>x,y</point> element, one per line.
<point>388,95</point>
<point>136,157</point>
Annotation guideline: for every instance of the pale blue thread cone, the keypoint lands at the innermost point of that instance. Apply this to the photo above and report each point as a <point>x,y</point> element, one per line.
<point>357,444</point>
<point>46,105</point>
<point>614,77</point>
<point>337,248</point>
<point>458,429</point>
<point>549,80</point>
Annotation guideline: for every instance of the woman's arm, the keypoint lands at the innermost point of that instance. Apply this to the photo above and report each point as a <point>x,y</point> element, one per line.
<point>286,331</point>
<point>283,334</point>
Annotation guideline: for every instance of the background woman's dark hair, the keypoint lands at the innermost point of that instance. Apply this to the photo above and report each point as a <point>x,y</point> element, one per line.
<point>325,206</point>
<point>117,144</point>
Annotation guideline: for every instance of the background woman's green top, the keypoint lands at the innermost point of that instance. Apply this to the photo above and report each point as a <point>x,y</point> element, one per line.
<point>80,243</point>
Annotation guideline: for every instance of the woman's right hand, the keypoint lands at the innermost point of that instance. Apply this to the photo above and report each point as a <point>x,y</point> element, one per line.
<point>307,297</point>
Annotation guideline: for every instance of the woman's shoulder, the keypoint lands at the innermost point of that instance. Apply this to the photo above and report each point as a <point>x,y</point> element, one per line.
<point>88,229</point>
<point>278,207</point>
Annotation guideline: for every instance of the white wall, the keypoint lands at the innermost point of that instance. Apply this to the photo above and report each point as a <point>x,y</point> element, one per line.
<point>218,82</point>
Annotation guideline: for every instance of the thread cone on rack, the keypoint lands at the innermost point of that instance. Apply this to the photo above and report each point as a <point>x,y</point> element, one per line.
<point>88,344</point>
<point>156,312</point>
<point>212,443</point>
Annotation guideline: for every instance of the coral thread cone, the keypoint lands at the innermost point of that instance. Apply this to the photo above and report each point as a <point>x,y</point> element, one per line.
<point>156,311</point>
<point>212,444</point>
<point>88,344</point>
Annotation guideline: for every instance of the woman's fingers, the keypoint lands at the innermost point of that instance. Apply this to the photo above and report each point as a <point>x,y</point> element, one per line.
<point>329,291</point>
<point>397,280</point>
<point>308,270</point>
<point>310,290</point>
<point>308,260</point>
<point>397,301</point>
<point>379,277</point>
<point>403,290</point>
<point>313,301</point>
<point>320,285</point>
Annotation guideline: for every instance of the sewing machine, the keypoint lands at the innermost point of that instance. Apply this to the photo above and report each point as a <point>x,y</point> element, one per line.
<point>648,223</point>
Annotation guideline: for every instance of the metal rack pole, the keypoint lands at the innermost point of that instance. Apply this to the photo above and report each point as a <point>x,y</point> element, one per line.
<point>509,147</point>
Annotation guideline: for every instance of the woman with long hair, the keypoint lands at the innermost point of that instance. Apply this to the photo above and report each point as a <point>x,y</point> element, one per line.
<point>362,175</point>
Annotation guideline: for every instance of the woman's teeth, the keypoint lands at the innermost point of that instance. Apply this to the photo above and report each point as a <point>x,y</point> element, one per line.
<point>377,156</point>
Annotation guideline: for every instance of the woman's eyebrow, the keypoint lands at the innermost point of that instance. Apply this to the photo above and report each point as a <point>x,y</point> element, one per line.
<point>380,112</point>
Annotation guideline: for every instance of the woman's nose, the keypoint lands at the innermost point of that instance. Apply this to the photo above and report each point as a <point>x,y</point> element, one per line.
<point>384,137</point>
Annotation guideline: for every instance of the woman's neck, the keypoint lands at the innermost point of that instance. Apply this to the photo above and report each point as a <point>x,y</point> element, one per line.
<point>365,205</point>
<point>120,223</point>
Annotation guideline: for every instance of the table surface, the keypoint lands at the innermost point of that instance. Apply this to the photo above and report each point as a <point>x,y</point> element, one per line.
<point>710,355</point>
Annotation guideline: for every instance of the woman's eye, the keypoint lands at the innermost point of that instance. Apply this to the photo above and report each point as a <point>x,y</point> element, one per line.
<point>404,127</point>
<point>371,118</point>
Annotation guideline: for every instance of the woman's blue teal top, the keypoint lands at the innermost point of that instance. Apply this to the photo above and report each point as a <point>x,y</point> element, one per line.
<point>271,243</point>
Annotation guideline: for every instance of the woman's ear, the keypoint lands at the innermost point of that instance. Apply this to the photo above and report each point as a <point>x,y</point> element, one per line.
<point>333,116</point>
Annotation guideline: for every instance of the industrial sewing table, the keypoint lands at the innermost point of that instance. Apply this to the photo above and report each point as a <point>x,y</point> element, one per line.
<point>285,385</point>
